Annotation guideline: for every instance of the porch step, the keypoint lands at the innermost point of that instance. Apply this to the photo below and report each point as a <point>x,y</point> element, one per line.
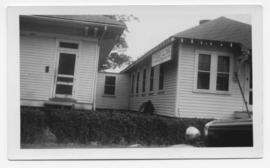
<point>60,103</point>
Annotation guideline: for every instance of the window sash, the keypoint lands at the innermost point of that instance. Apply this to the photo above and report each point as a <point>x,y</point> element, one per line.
<point>205,71</point>
<point>161,77</point>
<point>143,82</point>
<point>110,83</point>
<point>137,84</point>
<point>152,73</point>
<point>223,73</point>
<point>215,76</point>
<point>132,83</point>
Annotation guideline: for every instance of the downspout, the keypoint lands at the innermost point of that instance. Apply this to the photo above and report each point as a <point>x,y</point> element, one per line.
<point>238,81</point>
<point>96,74</point>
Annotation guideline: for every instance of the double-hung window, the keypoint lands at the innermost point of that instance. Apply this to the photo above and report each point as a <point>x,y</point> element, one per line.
<point>109,88</point>
<point>213,72</point>
<point>204,70</point>
<point>161,77</point>
<point>132,84</point>
<point>152,73</point>
<point>143,81</point>
<point>223,73</point>
<point>137,83</point>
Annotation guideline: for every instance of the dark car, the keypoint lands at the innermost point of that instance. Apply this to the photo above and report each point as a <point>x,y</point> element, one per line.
<point>229,133</point>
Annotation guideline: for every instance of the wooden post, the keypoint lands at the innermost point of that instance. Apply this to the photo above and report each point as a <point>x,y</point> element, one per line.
<point>242,93</point>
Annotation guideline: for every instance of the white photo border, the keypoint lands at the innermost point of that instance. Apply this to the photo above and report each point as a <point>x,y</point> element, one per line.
<point>13,85</point>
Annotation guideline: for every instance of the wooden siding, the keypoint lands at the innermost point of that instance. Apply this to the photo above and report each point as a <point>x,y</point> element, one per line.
<point>163,101</point>
<point>121,98</point>
<point>38,51</point>
<point>86,72</point>
<point>203,105</point>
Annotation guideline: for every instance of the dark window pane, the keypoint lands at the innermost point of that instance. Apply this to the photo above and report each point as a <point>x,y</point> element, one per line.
<point>203,80</point>
<point>223,64</point>
<point>137,85</point>
<point>110,80</point>
<point>66,64</point>
<point>152,79</point>
<point>132,84</point>
<point>144,76</point>
<point>223,82</point>
<point>109,85</point>
<point>250,97</point>
<point>68,45</point>
<point>64,79</point>
<point>109,90</point>
<point>204,62</point>
<point>63,89</point>
<point>161,77</point>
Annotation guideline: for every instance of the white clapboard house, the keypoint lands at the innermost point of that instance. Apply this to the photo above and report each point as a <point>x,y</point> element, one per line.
<point>199,72</point>
<point>60,56</point>
<point>202,72</point>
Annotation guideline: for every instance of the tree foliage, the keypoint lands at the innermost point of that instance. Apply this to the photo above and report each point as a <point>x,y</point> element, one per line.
<point>117,57</point>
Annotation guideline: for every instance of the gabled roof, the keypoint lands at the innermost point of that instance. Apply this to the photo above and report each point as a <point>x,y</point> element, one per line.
<point>221,29</point>
<point>98,19</point>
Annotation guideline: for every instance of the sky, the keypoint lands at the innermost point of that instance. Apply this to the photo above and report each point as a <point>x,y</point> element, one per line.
<point>151,29</point>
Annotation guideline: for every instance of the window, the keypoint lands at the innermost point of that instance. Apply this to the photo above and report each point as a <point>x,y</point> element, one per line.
<point>143,82</point>
<point>137,84</point>
<point>203,81</point>
<point>213,72</point>
<point>132,83</point>
<point>152,78</point>
<point>68,45</point>
<point>161,77</point>
<point>109,88</point>
<point>223,73</point>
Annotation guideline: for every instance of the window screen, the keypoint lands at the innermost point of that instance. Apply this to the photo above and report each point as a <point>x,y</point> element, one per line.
<point>64,89</point>
<point>223,73</point>
<point>137,84</point>
<point>204,62</point>
<point>161,77</point>
<point>132,83</point>
<point>143,82</point>
<point>66,64</point>
<point>152,78</point>
<point>109,85</point>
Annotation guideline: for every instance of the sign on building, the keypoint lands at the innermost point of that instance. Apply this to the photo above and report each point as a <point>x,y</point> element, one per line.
<point>162,56</point>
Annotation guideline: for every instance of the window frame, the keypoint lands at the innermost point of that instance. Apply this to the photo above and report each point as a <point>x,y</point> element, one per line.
<point>137,90</point>
<point>144,76</point>
<point>132,84</point>
<point>213,72</point>
<point>106,94</point>
<point>151,79</point>
<point>161,66</point>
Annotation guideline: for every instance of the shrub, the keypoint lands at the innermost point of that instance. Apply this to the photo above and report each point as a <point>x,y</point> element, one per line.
<point>115,127</point>
<point>32,124</point>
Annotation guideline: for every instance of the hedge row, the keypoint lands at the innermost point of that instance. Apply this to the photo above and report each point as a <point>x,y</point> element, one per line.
<point>107,127</point>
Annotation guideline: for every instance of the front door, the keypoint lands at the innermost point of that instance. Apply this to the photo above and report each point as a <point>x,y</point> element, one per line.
<point>65,76</point>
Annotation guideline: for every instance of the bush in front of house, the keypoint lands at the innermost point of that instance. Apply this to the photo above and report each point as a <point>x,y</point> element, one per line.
<point>119,128</point>
<point>32,124</point>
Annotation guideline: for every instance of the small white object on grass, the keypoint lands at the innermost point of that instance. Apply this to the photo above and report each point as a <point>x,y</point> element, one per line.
<point>192,134</point>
